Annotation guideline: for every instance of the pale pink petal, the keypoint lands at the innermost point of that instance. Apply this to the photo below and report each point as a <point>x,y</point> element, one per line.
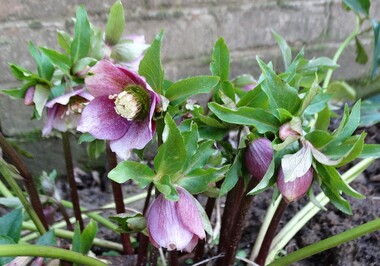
<point>60,119</point>
<point>51,112</point>
<point>100,119</point>
<point>188,213</point>
<point>65,98</point>
<point>29,95</point>
<point>192,244</point>
<point>138,135</point>
<point>164,226</point>
<point>107,79</point>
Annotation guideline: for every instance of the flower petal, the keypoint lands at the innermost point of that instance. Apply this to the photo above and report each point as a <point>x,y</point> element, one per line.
<point>107,79</point>
<point>138,135</point>
<point>164,226</point>
<point>65,98</point>
<point>188,213</point>
<point>100,119</point>
<point>194,241</point>
<point>51,112</point>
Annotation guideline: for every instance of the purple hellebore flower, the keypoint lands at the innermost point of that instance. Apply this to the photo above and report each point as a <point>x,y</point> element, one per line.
<point>175,224</point>
<point>64,111</point>
<point>294,190</point>
<point>122,110</point>
<point>29,95</point>
<point>258,156</point>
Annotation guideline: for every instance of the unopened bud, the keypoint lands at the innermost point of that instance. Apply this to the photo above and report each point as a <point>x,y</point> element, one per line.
<point>29,95</point>
<point>292,128</point>
<point>294,190</point>
<point>258,157</point>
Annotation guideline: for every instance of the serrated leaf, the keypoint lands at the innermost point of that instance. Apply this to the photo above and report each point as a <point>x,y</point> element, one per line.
<point>171,155</point>
<point>190,139</point>
<point>183,89</point>
<point>141,173</point>
<point>318,138</point>
<point>81,42</point>
<point>208,120</point>
<point>64,40</point>
<point>201,156</point>
<point>87,237</point>
<point>165,186</point>
<point>115,24</point>
<point>280,94</point>
<point>62,61</point>
<point>11,224</point>
<point>285,49</point>
<point>262,120</point>
<point>336,199</point>
<point>220,64</point>
<point>150,66</point>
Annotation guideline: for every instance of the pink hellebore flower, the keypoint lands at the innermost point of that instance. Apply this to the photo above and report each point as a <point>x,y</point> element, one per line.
<point>122,110</point>
<point>175,224</point>
<point>29,95</point>
<point>64,111</point>
<point>258,156</point>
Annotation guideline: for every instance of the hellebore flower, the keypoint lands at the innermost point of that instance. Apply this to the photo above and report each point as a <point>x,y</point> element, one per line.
<point>122,110</point>
<point>294,190</point>
<point>258,157</point>
<point>175,224</point>
<point>29,95</point>
<point>64,112</point>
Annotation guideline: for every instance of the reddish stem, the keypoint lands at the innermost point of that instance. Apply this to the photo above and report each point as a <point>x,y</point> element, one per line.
<point>70,177</point>
<point>118,198</point>
<point>30,187</point>
<point>267,241</point>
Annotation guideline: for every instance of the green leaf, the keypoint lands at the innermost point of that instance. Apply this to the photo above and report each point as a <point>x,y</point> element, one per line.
<point>64,40</point>
<point>254,98</point>
<point>204,218</point>
<point>44,67</point>
<point>20,73</point>
<point>207,120</point>
<point>201,156</point>
<point>336,199</point>
<point>96,148</point>
<point>316,64</point>
<point>115,24</point>
<point>97,45</point>
<point>126,170</point>
<point>86,137</point>
<point>220,64</point>
<point>323,120</point>
<point>318,104</point>
<point>171,155</point>
<point>370,113</point>
<point>87,237</point>
<point>198,180</point>
<point>47,239</point>
<point>349,126</point>
<point>370,151</point>
<point>341,91</point>
<point>361,54</point>
<point>280,94</point>
<point>76,238</point>
<point>309,97</point>
<point>232,175</point>
<point>354,152</point>
<point>129,223</point>
<point>268,180</point>
<point>165,186</point>
<point>40,98</point>
<point>358,6</point>
<point>150,66</point>
<point>18,92</point>
<point>11,224</point>
<point>183,89</point>
<point>318,138</point>
<point>191,140</point>
<point>6,240</point>
<point>285,49</point>
<point>262,120</point>
<point>62,61</point>
<point>81,42</point>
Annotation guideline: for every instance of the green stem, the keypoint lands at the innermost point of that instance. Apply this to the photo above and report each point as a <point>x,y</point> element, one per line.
<point>307,212</point>
<point>339,52</point>
<point>71,179</point>
<point>16,250</point>
<point>328,243</point>
<point>264,228</point>
<point>69,235</point>
<point>10,178</point>
<point>5,191</point>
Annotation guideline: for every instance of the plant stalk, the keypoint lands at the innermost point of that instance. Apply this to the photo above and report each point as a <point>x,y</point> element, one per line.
<point>263,253</point>
<point>328,243</point>
<point>27,178</point>
<point>118,198</point>
<point>16,250</point>
<point>71,179</point>
<point>9,177</point>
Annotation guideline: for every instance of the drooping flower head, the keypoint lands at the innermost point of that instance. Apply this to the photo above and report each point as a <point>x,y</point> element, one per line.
<point>258,156</point>
<point>175,224</point>
<point>122,110</point>
<point>63,112</point>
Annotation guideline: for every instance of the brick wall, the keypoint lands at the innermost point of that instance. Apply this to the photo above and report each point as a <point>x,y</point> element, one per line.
<point>191,28</point>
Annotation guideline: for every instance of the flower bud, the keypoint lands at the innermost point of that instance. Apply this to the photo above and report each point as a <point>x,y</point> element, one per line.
<point>294,190</point>
<point>258,157</point>
<point>175,224</point>
<point>28,99</point>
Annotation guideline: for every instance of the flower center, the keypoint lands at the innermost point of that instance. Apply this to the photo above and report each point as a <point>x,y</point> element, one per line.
<point>132,103</point>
